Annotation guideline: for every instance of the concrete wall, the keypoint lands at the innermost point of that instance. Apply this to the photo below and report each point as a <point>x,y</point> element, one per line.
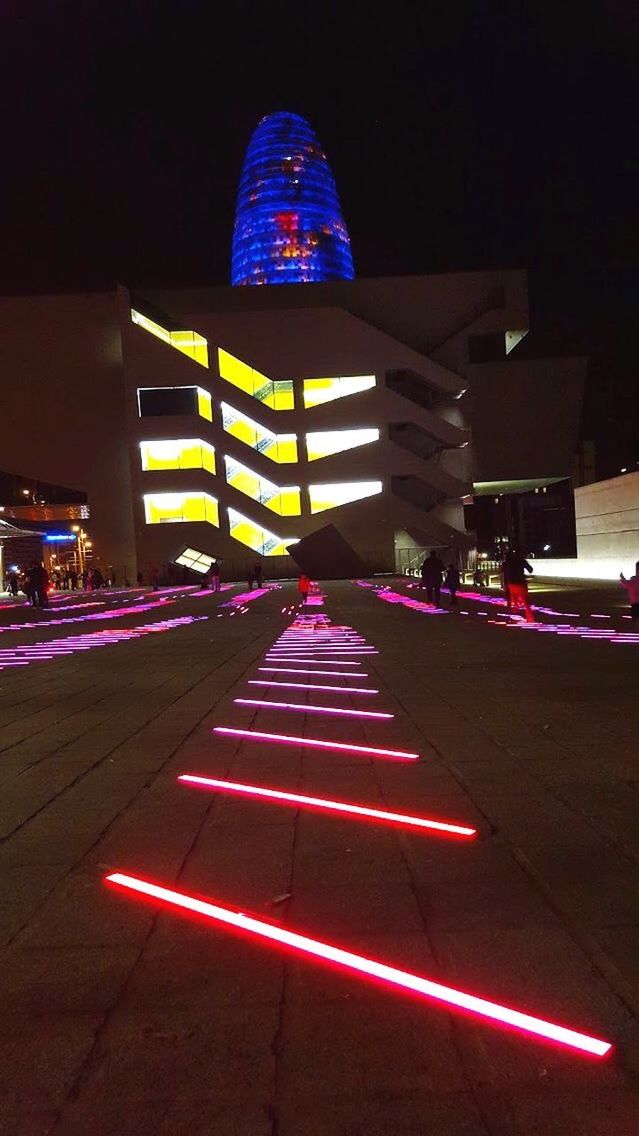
<point>62,419</point>
<point>607,515</point>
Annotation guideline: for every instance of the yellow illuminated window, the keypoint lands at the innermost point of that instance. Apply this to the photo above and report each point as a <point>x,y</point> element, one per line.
<point>188,342</point>
<point>317,391</point>
<point>324,442</point>
<point>279,448</point>
<point>204,404</point>
<point>281,499</point>
<point>257,538</point>
<point>169,508</point>
<point>341,493</point>
<point>180,453</point>
<point>277,394</point>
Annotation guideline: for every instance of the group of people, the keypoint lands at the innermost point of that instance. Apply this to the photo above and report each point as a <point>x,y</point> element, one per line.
<point>514,567</point>
<point>433,571</point>
<point>70,580</point>
<point>35,582</point>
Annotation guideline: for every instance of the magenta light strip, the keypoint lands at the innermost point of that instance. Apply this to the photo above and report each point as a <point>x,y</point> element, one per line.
<point>325,803</point>
<point>390,975</point>
<point>306,708</point>
<point>312,686</point>
<point>313,743</point>
<point>326,650</point>
<point>297,670</point>
<point>312,662</point>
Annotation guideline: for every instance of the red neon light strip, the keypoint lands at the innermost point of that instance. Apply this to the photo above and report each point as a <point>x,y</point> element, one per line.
<point>324,803</point>
<point>301,671</point>
<point>391,975</point>
<point>311,685</point>
<point>307,708</point>
<point>259,735</point>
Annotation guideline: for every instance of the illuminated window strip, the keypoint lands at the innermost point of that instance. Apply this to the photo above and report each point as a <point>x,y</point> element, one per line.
<point>319,391</point>
<point>275,393</point>
<point>281,499</point>
<point>236,424</point>
<point>188,342</point>
<point>323,443</point>
<point>315,743</point>
<point>307,708</point>
<point>332,495</point>
<point>256,537</point>
<point>325,803</point>
<point>163,508</point>
<point>390,975</point>
<point>178,453</point>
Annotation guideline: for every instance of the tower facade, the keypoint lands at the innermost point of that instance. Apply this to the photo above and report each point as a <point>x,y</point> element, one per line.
<point>289,227</point>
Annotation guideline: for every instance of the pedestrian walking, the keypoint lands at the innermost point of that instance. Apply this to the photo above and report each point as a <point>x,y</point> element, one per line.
<point>432,570</point>
<point>213,576</point>
<point>155,579</point>
<point>38,584</point>
<point>514,568</point>
<point>304,587</point>
<point>13,583</point>
<point>257,572</point>
<point>478,578</point>
<point>452,583</point>
<point>631,587</point>
<point>73,579</point>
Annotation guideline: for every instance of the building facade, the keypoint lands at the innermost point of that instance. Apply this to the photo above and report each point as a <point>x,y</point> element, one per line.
<point>348,422</point>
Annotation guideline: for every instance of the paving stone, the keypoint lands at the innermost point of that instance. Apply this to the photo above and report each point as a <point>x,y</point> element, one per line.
<point>40,1058</point>
<point>138,1019</point>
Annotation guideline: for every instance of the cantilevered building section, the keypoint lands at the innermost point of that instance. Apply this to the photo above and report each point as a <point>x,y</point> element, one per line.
<point>288,225</point>
<point>345,427</point>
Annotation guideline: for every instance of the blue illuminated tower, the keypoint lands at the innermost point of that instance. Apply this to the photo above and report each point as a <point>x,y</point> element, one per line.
<point>288,223</point>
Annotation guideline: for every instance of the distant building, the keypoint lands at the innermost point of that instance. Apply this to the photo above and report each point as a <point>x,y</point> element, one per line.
<point>343,425</point>
<point>288,224</point>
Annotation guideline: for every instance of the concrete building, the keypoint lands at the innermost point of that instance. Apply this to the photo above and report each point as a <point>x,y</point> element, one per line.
<point>355,417</point>
<point>607,523</point>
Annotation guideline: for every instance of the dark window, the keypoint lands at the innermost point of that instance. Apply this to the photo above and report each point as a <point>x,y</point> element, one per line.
<point>167,400</point>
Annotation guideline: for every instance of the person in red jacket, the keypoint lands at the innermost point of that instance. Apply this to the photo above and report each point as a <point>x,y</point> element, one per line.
<point>304,587</point>
<point>632,588</point>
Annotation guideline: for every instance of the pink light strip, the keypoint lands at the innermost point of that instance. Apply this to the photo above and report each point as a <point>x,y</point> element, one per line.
<point>325,803</point>
<point>301,671</point>
<point>312,686</point>
<point>311,662</point>
<point>348,747</point>
<point>391,975</point>
<point>306,708</point>
<point>326,650</point>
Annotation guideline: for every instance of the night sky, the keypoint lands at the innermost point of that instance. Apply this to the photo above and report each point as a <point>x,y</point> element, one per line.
<point>462,135</point>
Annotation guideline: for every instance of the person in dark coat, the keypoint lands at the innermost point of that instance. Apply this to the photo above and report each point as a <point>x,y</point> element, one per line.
<point>432,570</point>
<point>514,568</point>
<point>452,583</point>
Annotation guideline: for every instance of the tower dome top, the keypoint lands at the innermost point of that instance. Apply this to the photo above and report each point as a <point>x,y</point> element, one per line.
<point>288,223</point>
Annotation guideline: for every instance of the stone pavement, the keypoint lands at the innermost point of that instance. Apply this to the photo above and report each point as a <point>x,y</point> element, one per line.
<point>117,1018</point>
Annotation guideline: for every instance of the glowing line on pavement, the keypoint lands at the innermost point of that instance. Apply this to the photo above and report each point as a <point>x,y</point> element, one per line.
<point>325,803</point>
<point>312,743</point>
<point>307,708</point>
<point>311,685</point>
<point>390,975</point>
